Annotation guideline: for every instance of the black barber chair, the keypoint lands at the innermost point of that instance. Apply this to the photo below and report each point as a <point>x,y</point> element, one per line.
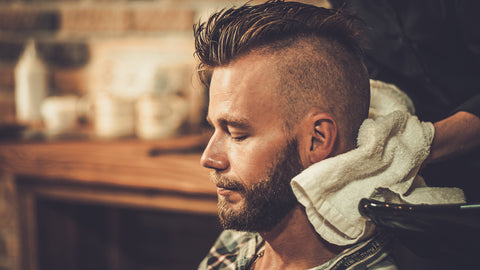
<point>429,236</point>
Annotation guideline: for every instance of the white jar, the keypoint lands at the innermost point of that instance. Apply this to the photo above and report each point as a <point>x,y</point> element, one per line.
<point>114,116</point>
<point>60,114</point>
<point>160,116</point>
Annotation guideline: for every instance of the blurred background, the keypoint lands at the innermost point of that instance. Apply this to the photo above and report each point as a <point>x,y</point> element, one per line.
<point>101,131</point>
<point>107,69</point>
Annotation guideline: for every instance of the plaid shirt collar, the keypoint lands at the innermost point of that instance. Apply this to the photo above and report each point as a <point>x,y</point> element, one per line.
<point>237,250</point>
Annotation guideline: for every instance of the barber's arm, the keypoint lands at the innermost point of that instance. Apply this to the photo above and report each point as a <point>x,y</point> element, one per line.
<point>455,135</point>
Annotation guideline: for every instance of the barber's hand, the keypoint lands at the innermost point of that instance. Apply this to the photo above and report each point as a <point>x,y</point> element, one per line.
<point>455,135</point>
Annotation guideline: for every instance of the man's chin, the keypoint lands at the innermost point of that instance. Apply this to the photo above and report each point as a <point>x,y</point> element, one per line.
<point>233,205</point>
<point>240,217</point>
<point>231,215</point>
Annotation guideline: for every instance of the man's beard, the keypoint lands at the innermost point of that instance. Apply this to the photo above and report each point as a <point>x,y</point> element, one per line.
<point>267,202</point>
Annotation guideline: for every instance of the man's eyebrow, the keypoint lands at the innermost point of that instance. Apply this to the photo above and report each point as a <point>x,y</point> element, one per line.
<point>234,122</point>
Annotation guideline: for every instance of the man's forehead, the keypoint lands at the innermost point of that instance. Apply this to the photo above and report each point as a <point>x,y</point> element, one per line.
<point>243,91</point>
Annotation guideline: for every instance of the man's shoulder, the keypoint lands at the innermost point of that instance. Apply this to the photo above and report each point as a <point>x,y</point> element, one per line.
<point>232,250</point>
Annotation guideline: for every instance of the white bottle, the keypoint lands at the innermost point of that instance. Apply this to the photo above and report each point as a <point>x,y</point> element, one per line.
<point>30,85</point>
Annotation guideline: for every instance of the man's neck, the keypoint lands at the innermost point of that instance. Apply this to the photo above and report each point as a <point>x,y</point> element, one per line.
<point>294,244</point>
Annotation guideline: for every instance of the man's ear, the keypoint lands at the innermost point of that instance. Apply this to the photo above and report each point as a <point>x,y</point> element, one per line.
<point>323,135</point>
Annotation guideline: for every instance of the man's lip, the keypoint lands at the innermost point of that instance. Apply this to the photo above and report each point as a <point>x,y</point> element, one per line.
<point>224,190</point>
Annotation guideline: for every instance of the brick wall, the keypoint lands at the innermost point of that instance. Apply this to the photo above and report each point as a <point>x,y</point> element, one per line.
<point>91,46</point>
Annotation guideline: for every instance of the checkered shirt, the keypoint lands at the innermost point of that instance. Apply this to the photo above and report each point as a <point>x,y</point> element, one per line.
<point>235,250</point>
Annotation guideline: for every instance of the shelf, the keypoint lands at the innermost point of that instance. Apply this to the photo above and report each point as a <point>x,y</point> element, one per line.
<point>162,165</point>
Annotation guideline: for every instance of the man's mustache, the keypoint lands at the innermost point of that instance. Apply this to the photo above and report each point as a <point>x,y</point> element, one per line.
<point>222,181</point>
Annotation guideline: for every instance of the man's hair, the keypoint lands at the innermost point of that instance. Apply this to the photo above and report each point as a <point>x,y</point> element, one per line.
<point>316,54</point>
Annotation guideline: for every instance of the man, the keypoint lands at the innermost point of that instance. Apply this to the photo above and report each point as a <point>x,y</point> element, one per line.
<point>287,89</point>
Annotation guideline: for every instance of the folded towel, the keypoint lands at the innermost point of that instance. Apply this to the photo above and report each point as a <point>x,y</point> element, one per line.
<point>386,98</point>
<point>392,145</point>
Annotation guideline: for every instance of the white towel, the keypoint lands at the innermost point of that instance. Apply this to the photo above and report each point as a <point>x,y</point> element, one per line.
<point>392,145</point>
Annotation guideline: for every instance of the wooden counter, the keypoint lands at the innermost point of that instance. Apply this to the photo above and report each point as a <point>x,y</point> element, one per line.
<point>163,174</point>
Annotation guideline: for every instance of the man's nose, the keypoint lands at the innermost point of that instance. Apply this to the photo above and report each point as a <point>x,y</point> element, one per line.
<point>214,156</point>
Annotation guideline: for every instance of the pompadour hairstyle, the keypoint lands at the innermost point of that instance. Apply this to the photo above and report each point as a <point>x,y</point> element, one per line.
<point>319,51</point>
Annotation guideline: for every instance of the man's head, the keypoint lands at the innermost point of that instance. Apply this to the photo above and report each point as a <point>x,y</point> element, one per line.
<point>281,76</point>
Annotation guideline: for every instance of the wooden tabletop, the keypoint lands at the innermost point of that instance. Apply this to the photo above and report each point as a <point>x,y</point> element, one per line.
<point>157,168</point>
<point>171,165</point>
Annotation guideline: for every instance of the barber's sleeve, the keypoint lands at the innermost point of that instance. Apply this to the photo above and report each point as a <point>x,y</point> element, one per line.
<point>472,106</point>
